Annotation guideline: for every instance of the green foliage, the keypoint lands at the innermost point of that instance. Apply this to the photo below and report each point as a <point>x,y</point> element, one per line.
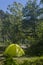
<point>9,61</point>
<point>21,22</point>
<point>31,13</point>
<point>41,1</point>
<point>35,49</point>
<point>23,25</point>
<point>26,61</point>
<point>15,18</point>
<point>32,61</point>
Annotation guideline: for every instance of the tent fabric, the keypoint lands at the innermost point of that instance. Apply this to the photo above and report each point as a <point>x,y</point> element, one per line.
<point>14,50</point>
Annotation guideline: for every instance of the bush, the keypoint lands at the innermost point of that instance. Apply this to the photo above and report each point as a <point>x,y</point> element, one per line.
<point>35,50</point>
<point>10,61</point>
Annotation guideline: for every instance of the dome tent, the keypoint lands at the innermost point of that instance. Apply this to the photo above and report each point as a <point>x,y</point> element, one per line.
<point>14,50</point>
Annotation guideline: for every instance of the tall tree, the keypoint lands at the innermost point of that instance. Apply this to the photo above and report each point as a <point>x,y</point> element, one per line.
<point>32,12</point>
<point>16,17</point>
<point>5,25</point>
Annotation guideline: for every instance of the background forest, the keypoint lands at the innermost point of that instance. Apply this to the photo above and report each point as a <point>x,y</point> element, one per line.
<point>23,25</point>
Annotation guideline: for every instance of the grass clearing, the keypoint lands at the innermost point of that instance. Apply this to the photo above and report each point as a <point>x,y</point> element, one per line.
<point>28,60</point>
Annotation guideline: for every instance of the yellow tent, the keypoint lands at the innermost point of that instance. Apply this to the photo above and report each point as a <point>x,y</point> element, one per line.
<point>14,50</point>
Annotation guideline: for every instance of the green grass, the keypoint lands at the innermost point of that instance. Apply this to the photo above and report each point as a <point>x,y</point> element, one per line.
<point>32,59</point>
<point>28,61</point>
